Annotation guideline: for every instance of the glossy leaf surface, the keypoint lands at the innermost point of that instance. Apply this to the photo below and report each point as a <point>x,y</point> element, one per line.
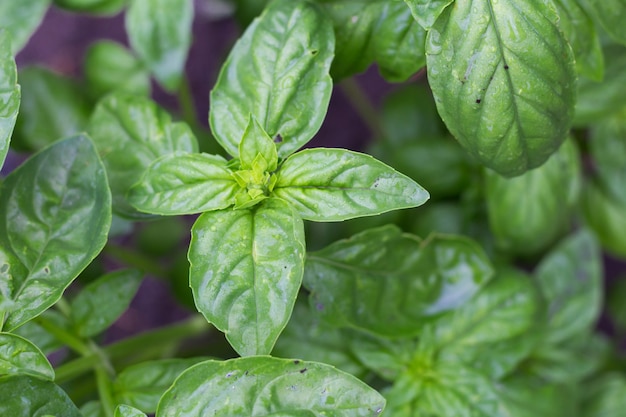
<point>278,73</point>
<point>19,356</point>
<point>570,278</point>
<point>581,33</point>
<point>530,224</point>
<point>52,107</point>
<point>426,12</point>
<point>266,386</point>
<point>22,18</point>
<point>130,133</point>
<point>109,66</point>
<point>53,223</point>
<point>606,216</point>
<point>391,283</point>
<point>10,93</point>
<point>159,31</point>
<point>25,396</point>
<point>336,184</point>
<point>184,184</point>
<point>142,385</point>
<point>503,78</point>
<point>489,331</point>
<point>127,411</point>
<point>377,31</point>
<point>249,290</point>
<point>103,301</point>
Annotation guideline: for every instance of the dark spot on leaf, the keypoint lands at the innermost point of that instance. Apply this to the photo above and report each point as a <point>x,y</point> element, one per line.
<point>46,269</point>
<point>278,139</point>
<point>228,375</point>
<point>245,373</point>
<point>506,67</point>
<point>314,52</point>
<point>296,361</point>
<point>4,268</point>
<point>303,370</point>
<point>477,101</point>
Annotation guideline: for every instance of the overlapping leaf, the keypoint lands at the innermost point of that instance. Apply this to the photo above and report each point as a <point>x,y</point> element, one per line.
<point>25,396</point>
<point>391,283</point>
<point>159,32</point>
<point>266,386</point>
<point>52,225</point>
<point>426,12</point>
<point>336,184</point>
<point>18,356</point>
<point>22,18</point>
<point>606,216</point>
<point>9,91</point>
<point>503,78</point>
<point>246,270</point>
<point>130,133</point>
<point>278,73</point>
<point>93,6</point>
<point>607,146</point>
<point>610,14</point>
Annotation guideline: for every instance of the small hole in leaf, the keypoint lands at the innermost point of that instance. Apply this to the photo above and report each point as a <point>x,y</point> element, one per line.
<point>303,370</point>
<point>295,362</point>
<point>506,67</point>
<point>278,139</point>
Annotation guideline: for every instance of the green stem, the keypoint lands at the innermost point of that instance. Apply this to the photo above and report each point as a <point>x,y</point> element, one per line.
<point>134,259</point>
<point>64,336</point>
<point>362,105</point>
<point>185,101</point>
<point>104,391</point>
<point>151,341</point>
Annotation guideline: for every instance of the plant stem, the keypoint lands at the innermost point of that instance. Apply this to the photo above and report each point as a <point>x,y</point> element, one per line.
<point>151,340</point>
<point>185,102</point>
<point>134,259</point>
<point>64,336</point>
<point>104,391</point>
<point>362,105</point>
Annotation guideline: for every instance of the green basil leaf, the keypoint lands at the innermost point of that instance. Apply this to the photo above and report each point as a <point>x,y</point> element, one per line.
<point>19,356</point>
<point>278,73</point>
<point>610,14</point>
<point>615,295</point>
<point>426,12</point>
<point>248,291</point>
<point>10,104</point>
<point>553,363</point>
<point>581,33</point>
<point>570,278</point>
<point>599,100</point>
<point>185,184</point>
<point>391,283</point>
<point>264,386</point>
<point>103,301</point>
<point>528,396</point>
<point>375,31</point>
<point>336,184</point>
<point>607,146</point>
<point>504,80</point>
<point>485,332</point>
<point>130,133</point>
<point>52,107</point>
<point>246,10</point>
<point>109,66</point>
<point>107,7</point>
<point>606,217</point>
<point>40,337</point>
<point>21,19</point>
<point>308,338</point>
<point>606,396</point>
<point>527,226</point>
<point>142,385</point>
<point>254,142</point>
<point>388,358</point>
<point>127,411</point>
<point>159,31</point>
<point>53,224</point>
<point>445,218</point>
<point>446,389</point>
<point>25,396</point>
<point>92,409</point>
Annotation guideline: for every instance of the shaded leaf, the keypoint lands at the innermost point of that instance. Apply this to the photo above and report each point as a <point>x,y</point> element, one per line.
<point>606,396</point>
<point>19,356</point>
<point>607,146</point>
<point>130,133</point>
<point>25,396</point>
<point>185,184</point>
<point>159,31</point>
<point>106,7</point>
<point>264,386</point>
<point>127,411</point>
<point>53,223</point>
<point>611,15</point>
<point>504,81</point>
<point>426,12</point>
<point>22,18</point>
<point>278,73</point>
<point>9,91</point>
<point>528,396</point>
<point>337,184</point>
<point>391,283</point>
<point>606,216</point>
<point>103,301</point>
<point>248,291</point>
